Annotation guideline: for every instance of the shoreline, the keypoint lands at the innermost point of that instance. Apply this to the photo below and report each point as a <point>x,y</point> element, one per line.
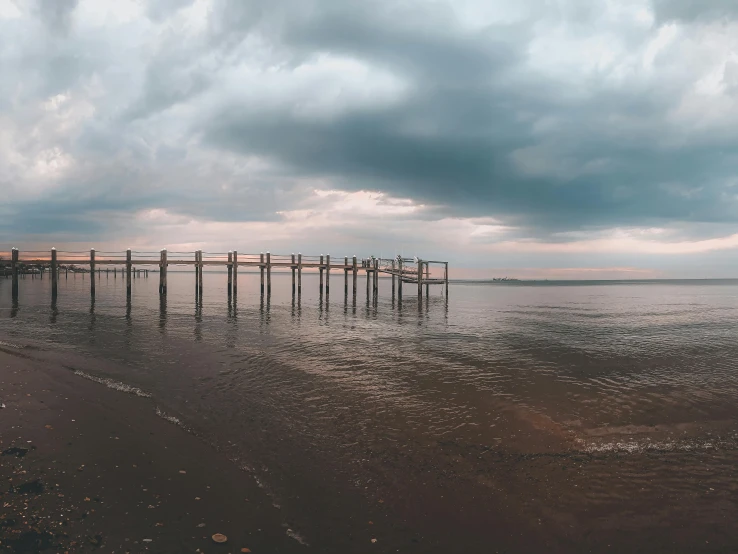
<point>86,467</point>
<point>102,473</point>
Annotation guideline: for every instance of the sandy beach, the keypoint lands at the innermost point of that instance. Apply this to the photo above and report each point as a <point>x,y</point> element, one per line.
<point>88,468</point>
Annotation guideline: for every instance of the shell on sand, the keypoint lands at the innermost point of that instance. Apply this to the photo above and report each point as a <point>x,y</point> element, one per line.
<point>219,537</point>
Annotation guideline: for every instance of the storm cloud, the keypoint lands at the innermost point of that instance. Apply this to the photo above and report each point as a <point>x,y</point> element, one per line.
<point>517,123</point>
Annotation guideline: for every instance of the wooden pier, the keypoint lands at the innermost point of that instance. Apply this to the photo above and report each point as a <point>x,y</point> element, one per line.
<point>410,271</point>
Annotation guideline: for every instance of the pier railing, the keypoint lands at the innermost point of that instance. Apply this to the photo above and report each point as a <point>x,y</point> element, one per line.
<point>15,263</point>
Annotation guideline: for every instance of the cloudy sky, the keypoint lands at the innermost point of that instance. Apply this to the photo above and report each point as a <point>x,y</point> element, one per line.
<point>577,138</point>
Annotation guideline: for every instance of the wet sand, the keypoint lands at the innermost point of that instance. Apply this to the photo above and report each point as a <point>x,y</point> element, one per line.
<point>86,467</point>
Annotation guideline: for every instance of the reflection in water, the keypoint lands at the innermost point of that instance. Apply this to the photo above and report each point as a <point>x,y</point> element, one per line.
<point>162,312</point>
<point>54,310</point>
<point>198,321</point>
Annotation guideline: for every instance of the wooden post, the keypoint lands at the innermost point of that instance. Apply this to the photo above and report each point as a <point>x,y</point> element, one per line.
<point>53,273</point>
<point>368,276</point>
<point>345,276</point>
<point>197,272</point>
<point>128,272</point>
<point>320,270</point>
<point>376,277</point>
<point>355,275</point>
<point>393,278</point>
<point>14,270</point>
<point>445,277</point>
<point>166,263</point>
<point>420,279</point>
<point>293,274</point>
<point>327,274</point>
<point>199,275</point>
<point>399,278</point>
<point>269,274</point>
<point>92,271</point>
<point>299,273</point>
<point>230,274</point>
<point>261,267</point>
<point>163,272</point>
<point>427,277</point>
<point>235,272</point>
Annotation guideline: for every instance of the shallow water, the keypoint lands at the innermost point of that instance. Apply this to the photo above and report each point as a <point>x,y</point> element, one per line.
<point>390,393</point>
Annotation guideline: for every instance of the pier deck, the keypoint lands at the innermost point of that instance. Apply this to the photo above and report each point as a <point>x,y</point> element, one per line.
<point>401,270</point>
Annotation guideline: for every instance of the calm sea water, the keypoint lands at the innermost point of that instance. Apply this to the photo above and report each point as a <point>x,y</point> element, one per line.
<point>381,388</point>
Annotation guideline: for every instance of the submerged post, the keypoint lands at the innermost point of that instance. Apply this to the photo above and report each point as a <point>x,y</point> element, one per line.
<point>345,275</point>
<point>355,275</point>
<point>53,273</point>
<point>399,278</point>
<point>320,270</point>
<point>128,272</point>
<point>420,279</point>
<point>163,272</point>
<point>235,272</point>
<point>376,277</point>
<point>230,273</point>
<point>327,274</point>
<point>427,277</point>
<point>199,275</point>
<point>261,268</point>
<point>197,272</point>
<point>269,273</point>
<point>299,273</point>
<point>393,278</point>
<point>14,271</point>
<point>445,277</point>
<point>92,271</point>
<point>293,274</point>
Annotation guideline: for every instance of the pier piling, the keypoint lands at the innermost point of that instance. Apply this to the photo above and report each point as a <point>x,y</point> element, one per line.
<point>92,271</point>
<point>235,273</point>
<point>53,274</point>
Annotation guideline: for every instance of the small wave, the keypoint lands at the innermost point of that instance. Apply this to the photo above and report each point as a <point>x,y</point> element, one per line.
<point>297,536</point>
<point>11,345</point>
<point>169,418</point>
<point>636,447</point>
<point>111,384</point>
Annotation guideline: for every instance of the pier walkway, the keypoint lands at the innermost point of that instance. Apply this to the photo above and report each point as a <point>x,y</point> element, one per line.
<point>413,271</point>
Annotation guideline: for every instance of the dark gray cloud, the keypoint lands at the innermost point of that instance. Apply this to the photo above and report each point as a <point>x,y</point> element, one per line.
<point>561,119</point>
<point>468,87</point>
